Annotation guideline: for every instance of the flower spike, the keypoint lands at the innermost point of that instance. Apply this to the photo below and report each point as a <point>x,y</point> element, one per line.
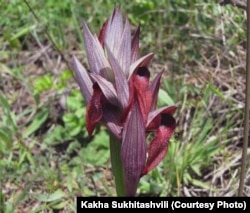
<point>119,95</point>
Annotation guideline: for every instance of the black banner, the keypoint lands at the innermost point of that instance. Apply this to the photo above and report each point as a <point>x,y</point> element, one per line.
<point>181,204</point>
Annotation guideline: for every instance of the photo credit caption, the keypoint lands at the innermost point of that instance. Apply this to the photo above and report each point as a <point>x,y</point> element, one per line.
<point>172,204</point>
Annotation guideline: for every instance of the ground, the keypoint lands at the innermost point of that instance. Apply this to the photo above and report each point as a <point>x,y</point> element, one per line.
<point>46,164</point>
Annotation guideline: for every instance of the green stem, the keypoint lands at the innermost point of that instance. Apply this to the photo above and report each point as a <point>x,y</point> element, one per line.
<point>116,163</point>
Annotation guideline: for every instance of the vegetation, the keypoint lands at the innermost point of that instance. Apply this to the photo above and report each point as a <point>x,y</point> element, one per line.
<point>46,156</point>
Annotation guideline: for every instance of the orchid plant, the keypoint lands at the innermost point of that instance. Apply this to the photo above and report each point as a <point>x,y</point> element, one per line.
<point>119,94</point>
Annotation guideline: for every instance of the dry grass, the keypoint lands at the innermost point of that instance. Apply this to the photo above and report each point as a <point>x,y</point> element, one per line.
<point>220,66</point>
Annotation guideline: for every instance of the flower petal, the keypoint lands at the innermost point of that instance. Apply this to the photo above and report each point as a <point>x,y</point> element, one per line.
<point>154,88</point>
<point>111,118</point>
<point>121,82</point>
<point>124,52</point>
<point>143,94</point>
<point>131,100</point>
<point>95,54</point>
<point>107,88</point>
<point>135,45</point>
<point>83,79</point>
<point>141,62</point>
<point>133,149</point>
<point>94,109</point>
<point>159,145</point>
<point>114,31</point>
<point>102,33</point>
<point>154,116</point>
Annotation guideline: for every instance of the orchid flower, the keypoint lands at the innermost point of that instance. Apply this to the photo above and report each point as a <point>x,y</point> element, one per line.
<point>119,94</point>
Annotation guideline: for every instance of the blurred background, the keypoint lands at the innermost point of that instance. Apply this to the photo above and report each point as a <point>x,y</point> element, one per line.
<point>46,156</point>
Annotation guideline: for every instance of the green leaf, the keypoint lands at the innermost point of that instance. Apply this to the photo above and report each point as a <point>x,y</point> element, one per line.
<point>66,74</point>
<point>202,184</point>
<point>216,92</point>
<point>72,147</point>
<point>23,32</point>
<point>196,169</point>
<point>37,122</point>
<point>74,131</point>
<point>59,205</point>
<point>101,140</point>
<point>205,131</point>
<point>69,117</point>
<point>43,83</point>
<point>4,103</point>
<point>5,139</point>
<point>63,80</point>
<point>164,98</point>
<point>9,208</point>
<point>7,116</point>
<point>57,195</point>
<point>98,153</point>
<point>75,101</point>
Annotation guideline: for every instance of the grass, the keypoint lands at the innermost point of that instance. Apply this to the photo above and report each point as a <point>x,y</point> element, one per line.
<point>46,156</point>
